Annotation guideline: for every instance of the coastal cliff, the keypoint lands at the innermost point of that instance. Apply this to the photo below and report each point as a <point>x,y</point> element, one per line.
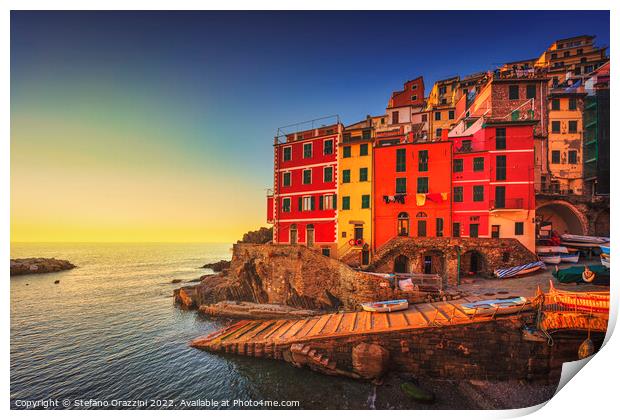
<point>290,275</point>
<point>21,266</point>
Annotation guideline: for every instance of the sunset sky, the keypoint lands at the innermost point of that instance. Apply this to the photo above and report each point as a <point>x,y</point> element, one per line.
<point>143,126</point>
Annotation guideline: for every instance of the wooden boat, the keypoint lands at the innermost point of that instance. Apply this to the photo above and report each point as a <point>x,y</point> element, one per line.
<point>551,249</point>
<point>584,239</point>
<point>571,258</point>
<point>386,306</point>
<point>519,270</point>
<point>605,260</point>
<point>605,249</point>
<point>496,306</point>
<point>550,258</point>
<point>582,301</point>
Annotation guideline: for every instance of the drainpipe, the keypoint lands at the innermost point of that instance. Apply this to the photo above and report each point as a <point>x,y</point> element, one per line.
<point>458,265</point>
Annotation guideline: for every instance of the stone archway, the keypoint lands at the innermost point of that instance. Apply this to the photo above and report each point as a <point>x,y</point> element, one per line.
<point>563,217</point>
<point>601,223</point>
<point>401,264</point>
<point>472,263</point>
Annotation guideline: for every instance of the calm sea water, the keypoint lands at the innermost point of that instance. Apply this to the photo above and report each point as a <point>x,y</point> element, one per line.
<point>109,331</point>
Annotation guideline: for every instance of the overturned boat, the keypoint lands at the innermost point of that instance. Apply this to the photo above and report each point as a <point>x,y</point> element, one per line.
<point>497,306</point>
<point>519,270</point>
<point>550,258</point>
<point>386,306</point>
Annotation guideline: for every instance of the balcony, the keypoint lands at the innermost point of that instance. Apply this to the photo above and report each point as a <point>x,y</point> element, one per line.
<point>506,204</point>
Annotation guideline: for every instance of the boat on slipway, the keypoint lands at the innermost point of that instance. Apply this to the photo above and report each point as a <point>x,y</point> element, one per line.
<point>605,254</point>
<point>550,258</point>
<point>570,257</point>
<point>580,301</point>
<point>582,241</point>
<point>497,306</point>
<point>519,270</point>
<point>386,306</point>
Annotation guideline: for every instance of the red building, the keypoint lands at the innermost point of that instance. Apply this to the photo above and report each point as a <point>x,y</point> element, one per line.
<point>303,205</point>
<point>411,95</point>
<point>412,188</point>
<point>493,181</point>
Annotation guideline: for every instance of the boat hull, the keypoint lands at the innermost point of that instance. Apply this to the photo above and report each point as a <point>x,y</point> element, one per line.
<point>520,270</point>
<point>496,306</point>
<point>570,258</point>
<point>550,259</point>
<point>386,306</point>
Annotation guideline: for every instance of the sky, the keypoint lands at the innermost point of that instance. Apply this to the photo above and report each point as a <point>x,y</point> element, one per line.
<point>158,126</point>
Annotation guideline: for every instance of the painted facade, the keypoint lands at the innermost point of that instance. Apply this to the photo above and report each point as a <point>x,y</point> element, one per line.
<point>305,188</point>
<point>412,188</point>
<point>493,182</point>
<point>441,106</point>
<point>355,191</point>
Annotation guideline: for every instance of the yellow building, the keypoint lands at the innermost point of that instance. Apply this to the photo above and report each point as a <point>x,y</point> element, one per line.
<point>355,193</point>
<point>441,107</point>
<point>565,144</point>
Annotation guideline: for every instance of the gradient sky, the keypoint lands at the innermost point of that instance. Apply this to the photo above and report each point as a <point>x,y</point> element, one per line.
<point>147,126</point>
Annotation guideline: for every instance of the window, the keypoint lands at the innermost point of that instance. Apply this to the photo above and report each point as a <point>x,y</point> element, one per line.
<point>365,201</point>
<point>500,168</point>
<point>500,197</point>
<point>286,205</point>
<point>365,136</point>
<point>579,51</point>
<point>363,149</point>
<point>286,179</point>
<point>346,203</point>
<point>424,117</point>
<point>457,165</point>
<point>326,252</point>
<point>307,203</point>
<point>422,185</point>
<point>572,157</point>
<point>500,138</point>
<point>395,117</point>
<point>530,92</point>
<point>442,90</point>
<point>518,228</point>
<point>307,176</point>
<point>414,87</point>
<point>328,174</point>
<point>513,92</point>
<point>363,174</point>
<point>414,97</point>
<point>327,202</point>
<point>473,230</point>
<point>572,104</point>
<point>437,115</point>
<point>403,224</point>
<point>423,161</point>
<point>478,193</point>
<point>583,60</point>
<point>401,185</point>
<point>328,147</point>
<point>555,156</point>
<point>554,56</point>
<point>346,176</point>
<point>439,227</point>
<point>286,153</point>
<point>458,194</point>
<point>401,160</point>
<point>438,133</point>
<point>308,150</point>
<point>572,126</point>
<point>566,53</point>
<point>456,230</point>
<point>346,151</point>
<point>421,228</point>
<point>495,231</point>
<point>478,164</point>
<point>451,115</point>
<point>555,126</point>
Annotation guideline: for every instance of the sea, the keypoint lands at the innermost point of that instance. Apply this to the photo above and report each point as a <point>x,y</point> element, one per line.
<point>108,335</point>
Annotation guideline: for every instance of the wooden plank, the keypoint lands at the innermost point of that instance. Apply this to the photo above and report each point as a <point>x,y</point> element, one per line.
<point>441,309</point>
<point>294,329</point>
<point>380,321</point>
<point>419,311</point>
<point>266,325</point>
<point>252,327</point>
<point>347,320</point>
<point>354,323</point>
<point>318,327</point>
<point>458,310</point>
<point>284,330</point>
<point>397,320</point>
<point>332,324</point>
<point>308,327</point>
<point>275,328</point>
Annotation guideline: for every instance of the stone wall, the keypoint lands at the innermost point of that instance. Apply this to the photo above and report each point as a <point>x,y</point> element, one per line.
<point>491,253</point>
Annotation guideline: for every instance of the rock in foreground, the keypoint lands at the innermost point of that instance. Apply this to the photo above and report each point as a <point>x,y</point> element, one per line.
<point>21,266</point>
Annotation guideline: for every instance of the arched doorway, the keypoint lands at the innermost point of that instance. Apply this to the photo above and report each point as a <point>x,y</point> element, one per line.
<point>560,216</point>
<point>401,264</point>
<point>601,224</point>
<point>472,263</point>
<point>403,224</point>
<point>432,262</point>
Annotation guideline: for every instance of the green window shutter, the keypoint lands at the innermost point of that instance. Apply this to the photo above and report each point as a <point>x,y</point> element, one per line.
<point>300,204</point>
<point>515,115</point>
<point>320,202</point>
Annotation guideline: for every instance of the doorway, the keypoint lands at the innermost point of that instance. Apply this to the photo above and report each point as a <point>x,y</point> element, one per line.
<point>401,264</point>
<point>310,235</point>
<point>293,234</point>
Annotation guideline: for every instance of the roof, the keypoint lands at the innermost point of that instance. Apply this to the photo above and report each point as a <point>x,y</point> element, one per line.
<point>575,37</point>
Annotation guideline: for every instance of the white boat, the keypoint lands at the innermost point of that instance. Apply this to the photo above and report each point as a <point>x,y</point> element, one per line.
<point>570,257</point>
<point>550,258</point>
<point>584,239</point>
<point>605,260</point>
<point>386,306</point>
<point>496,306</point>
<point>519,270</point>
<point>551,249</point>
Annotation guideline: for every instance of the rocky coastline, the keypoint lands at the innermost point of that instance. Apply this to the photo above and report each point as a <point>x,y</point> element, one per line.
<point>23,266</point>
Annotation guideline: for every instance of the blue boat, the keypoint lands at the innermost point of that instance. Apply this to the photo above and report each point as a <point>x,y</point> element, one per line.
<point>519,270</point>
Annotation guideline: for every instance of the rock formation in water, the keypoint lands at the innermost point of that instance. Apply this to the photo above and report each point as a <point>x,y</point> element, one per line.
<point>20,266</point>
<point>218,266</point>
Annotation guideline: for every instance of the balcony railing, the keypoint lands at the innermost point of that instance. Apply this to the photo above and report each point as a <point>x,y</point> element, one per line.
<point>506,204</point>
